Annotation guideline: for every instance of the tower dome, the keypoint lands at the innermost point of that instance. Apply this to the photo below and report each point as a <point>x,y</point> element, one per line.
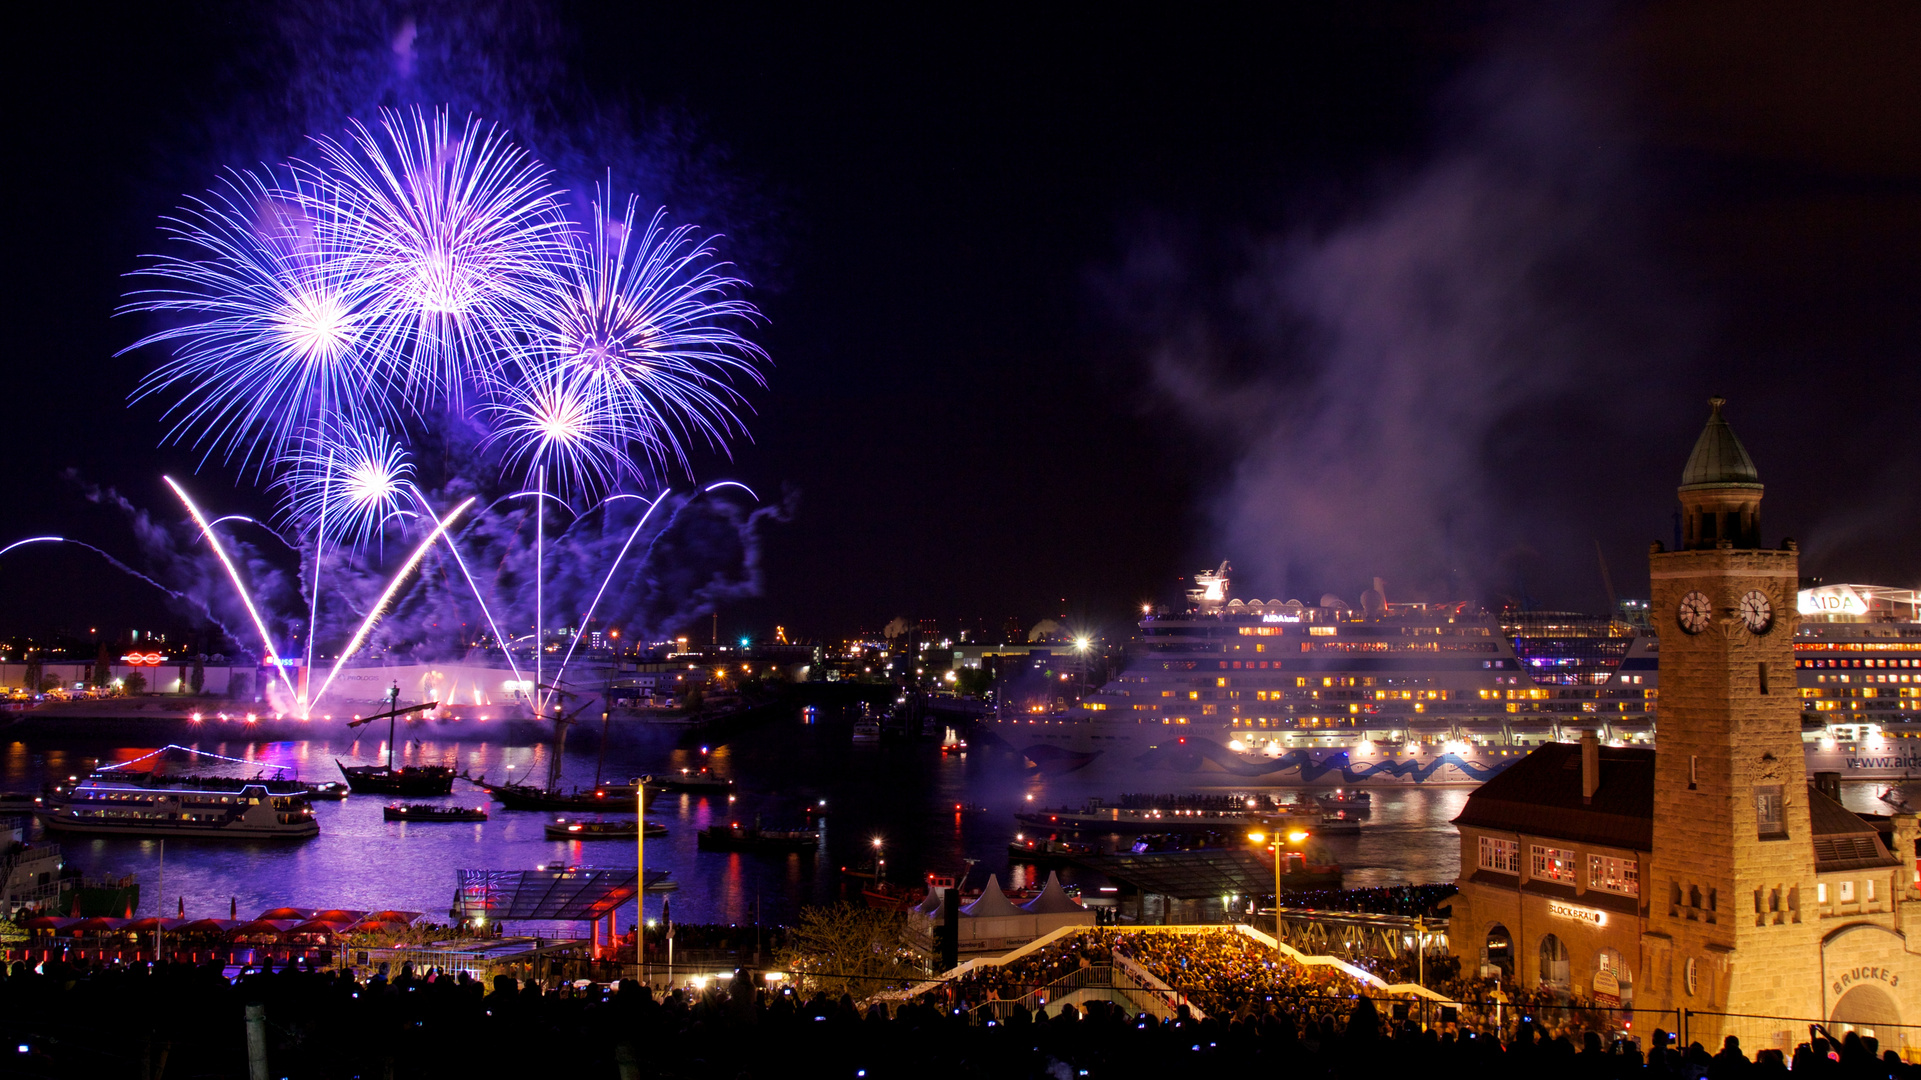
<point>1720,489</point>
<point>1718,458</point>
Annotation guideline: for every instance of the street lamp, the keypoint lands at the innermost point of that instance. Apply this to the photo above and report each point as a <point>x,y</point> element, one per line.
<point>640,878</point>
<point>1260,838</point>
<point>880,860</point>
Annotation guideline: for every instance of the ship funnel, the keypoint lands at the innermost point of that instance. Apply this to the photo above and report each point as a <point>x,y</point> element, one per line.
<point>1590,765</point>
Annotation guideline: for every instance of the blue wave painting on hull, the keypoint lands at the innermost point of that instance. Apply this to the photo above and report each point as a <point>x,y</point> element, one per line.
<point>1190,757</point>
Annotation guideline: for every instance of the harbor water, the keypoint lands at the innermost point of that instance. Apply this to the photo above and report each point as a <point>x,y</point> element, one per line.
<point>931,812</point>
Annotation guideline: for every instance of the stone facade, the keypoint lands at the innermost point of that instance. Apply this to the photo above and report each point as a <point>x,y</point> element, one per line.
<point>1756,895</point>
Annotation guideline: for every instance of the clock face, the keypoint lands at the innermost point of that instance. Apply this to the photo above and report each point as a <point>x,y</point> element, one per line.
<point>1695,612</point>
<point>1757,611</point>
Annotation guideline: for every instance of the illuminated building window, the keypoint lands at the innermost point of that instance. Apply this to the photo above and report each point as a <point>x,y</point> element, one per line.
<point>1614,875</point>
<point>1552,864</point>
<point>1500,856</point>
<point>1847,892</point>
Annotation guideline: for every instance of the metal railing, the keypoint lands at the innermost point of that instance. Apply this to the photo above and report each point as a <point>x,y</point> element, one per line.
<point>1159,1002</point>
<point>1758,1032</point>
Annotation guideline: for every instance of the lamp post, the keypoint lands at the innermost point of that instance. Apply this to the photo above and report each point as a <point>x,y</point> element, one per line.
<point>640,876</point>
<point>880,861</point>
<point>1420,950</point>
<point>1258,838</point>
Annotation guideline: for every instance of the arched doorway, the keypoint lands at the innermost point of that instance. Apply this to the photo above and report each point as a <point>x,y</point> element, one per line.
<point>1863,1008</point>
<point>1554,963</point>
<point>1498,952</point>
<point>1612,979</point>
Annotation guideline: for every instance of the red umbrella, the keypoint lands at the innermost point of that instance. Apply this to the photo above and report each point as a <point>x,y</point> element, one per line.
<point>320,928</point>
<point>95,925</point>
<point>50,922</point>
<point>294,913</point>
<point>263,931</point>
<point>340,915</point>
<point>149,924</point>
<point>406,917</point>
<point>207,926</point>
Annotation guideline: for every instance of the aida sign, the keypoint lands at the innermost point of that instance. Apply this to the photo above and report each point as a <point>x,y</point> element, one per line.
<point>1831,600</point>
<point>1579,914</point>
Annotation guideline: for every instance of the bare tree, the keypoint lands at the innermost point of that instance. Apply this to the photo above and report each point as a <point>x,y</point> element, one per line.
<point>847,949</point>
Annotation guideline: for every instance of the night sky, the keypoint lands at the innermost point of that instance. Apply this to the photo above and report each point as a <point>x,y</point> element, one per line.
<point>1066,306</point>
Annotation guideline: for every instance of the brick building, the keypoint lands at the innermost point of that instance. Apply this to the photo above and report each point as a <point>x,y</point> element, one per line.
<point>1708,873</point>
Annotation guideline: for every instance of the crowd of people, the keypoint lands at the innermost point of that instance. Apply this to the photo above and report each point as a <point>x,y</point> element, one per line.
<point>1406,900</point>
<point>1216,970</point>
<point>184,1021</point>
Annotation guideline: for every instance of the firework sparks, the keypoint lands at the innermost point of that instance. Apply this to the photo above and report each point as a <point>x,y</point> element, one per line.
<point>553,418</point>
<point>457,231</point>
<point>651,319</point>
<point>346,481</point>
<point>275,324</point>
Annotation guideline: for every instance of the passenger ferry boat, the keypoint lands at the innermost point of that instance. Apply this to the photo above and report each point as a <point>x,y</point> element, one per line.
<point>1233,692</point>
<point>106,808</point>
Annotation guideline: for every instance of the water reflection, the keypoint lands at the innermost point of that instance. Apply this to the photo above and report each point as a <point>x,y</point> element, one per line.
<point>907,795</point>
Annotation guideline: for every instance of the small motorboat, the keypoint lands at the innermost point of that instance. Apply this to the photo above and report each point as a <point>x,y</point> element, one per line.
<point>1346,799</point>
<point>1033,849</point>
<point>563,829</point>
<point>428,812</point>
<point>695,782</point>
<point>735,838</point>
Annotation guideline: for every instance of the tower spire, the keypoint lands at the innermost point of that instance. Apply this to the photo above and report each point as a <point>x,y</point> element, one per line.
<point>1720,489</point>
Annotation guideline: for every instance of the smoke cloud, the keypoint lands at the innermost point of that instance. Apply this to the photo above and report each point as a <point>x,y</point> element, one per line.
<point>311,68</point>
<point>1391,379</point>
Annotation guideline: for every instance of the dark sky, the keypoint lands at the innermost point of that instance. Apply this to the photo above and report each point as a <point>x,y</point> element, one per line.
<point>1067,305</point>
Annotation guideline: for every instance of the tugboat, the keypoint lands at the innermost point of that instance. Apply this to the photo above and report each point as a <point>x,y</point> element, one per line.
<point>562,829</point>
<point>411,781</point>
<point>426,812</point>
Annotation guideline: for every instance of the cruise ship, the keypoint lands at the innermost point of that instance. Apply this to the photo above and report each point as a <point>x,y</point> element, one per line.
<point>1245,692</point>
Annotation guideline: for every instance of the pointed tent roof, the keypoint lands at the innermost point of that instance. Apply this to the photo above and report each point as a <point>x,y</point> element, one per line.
<point>1053,899</point>
<point>991,902</point>
<point>1718,459</point>
<point>931,903</point>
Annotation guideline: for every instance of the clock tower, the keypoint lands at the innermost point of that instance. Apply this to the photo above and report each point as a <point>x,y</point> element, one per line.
<point>1732,922</point>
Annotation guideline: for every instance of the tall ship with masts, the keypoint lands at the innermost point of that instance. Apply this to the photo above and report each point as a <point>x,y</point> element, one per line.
<point>407,780</point>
